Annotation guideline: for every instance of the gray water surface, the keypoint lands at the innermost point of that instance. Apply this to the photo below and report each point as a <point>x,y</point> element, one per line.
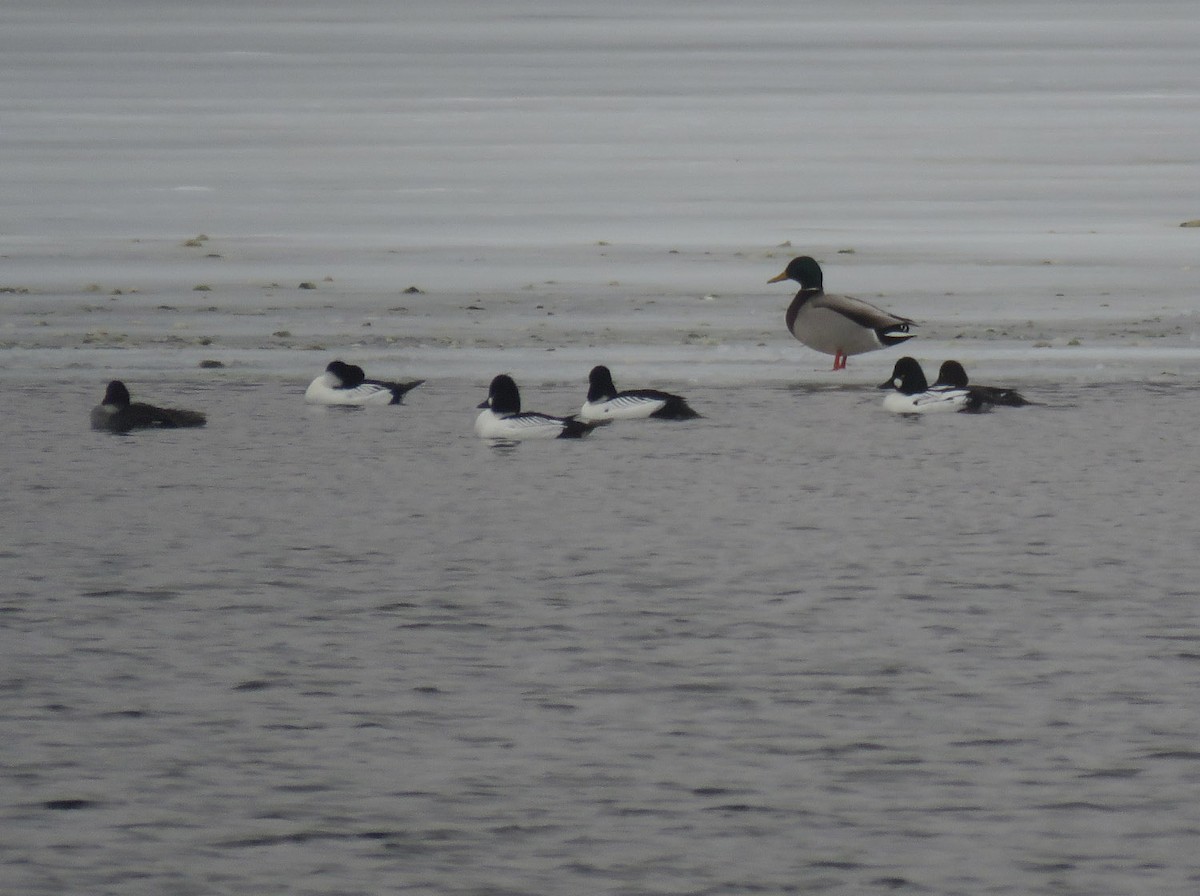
<point>799,645</point>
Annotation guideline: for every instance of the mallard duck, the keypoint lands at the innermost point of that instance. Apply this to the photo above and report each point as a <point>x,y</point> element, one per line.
<point>837,325</point>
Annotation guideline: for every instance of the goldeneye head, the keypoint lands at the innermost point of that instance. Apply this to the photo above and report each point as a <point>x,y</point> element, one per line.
<point>349,375</point>
<point>116,395</point>
<point>600,384</point>
<point>907,377</point>
<point>952,374</point>
<point>503,397</point>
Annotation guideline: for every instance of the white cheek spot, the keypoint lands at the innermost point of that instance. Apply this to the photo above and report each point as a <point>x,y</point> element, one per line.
<point>896,382</point>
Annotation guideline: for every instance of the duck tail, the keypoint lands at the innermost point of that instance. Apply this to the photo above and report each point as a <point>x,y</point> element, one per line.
<point>575,429</point>
<point>400,389</point>
<point>895,334</point>
<point>676,408</point>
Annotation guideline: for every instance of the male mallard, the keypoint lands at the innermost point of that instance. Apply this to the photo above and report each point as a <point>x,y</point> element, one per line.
<point>837,325</point>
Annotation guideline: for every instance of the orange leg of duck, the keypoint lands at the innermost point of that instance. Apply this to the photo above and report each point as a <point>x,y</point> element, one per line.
<point>839,360</point>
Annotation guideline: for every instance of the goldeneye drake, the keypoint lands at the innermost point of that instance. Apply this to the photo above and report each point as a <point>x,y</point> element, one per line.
<point>502,417</point>
<point>911,394</point>
<point>347,384</point>
<point>952,375</point>
<point>837,325</point>
<point>116,413</point>
<point>604,402</point>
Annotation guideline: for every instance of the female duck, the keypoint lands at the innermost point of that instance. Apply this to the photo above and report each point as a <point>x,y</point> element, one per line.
<point>837,325</point>
<point>502,417</point>
<point>604,402</point>
<point>117,413</point>
<point>347,384</point>
<point>911,393</point>
<point>952,375</point>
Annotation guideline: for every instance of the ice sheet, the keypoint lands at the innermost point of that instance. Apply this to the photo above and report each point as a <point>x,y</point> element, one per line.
<point>603,183</point>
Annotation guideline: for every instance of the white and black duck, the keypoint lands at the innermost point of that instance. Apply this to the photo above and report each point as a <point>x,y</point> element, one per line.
<point>502,417</point>
<point>347,384</point>
<point>605,403</point>
<point>953,375</point>
<point>911,393</point>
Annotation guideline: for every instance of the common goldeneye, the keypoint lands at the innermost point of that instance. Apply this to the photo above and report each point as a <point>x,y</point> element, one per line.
<point>116,413</point>
<point>347,384</point>
<point>604,402</point>
<point>952,375</point>
<point>502,417</point>
<point>911,393</point>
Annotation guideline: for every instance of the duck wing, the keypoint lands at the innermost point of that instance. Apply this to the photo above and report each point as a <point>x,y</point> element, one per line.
<point>674,407</point>
<point>998,395</point>
<point>862,313</point>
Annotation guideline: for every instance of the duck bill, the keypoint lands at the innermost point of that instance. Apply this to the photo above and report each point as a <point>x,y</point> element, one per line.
<point>887,384</point>
<point>486,403</point>
<point>782,276</point>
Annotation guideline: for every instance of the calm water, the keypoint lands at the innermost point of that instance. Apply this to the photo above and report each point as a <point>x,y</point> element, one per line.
<point>797,646</point>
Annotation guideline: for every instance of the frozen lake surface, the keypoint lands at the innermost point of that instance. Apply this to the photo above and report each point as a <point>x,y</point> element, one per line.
<point>799,645</point>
